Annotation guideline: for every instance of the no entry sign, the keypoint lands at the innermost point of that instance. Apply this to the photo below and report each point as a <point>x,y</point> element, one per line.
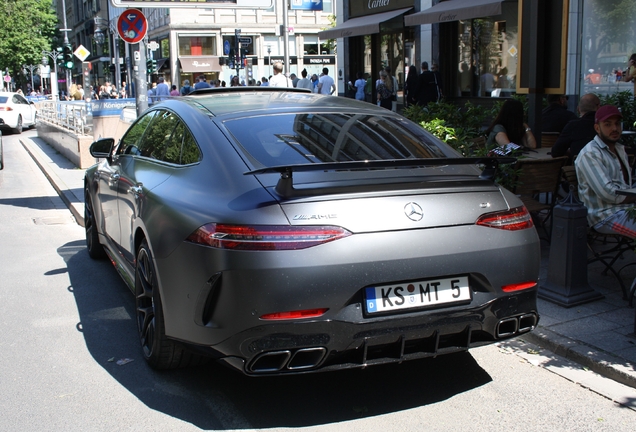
<point>132,25</point>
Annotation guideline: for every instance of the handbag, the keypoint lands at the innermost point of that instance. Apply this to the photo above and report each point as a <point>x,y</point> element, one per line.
<point>385,93</point>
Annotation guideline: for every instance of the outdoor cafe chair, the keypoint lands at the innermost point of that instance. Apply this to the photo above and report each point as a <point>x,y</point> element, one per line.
<point>548,139</point>
<point>536,183</point>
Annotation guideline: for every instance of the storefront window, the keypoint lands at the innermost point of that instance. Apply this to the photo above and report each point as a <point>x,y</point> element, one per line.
<point>197,45</point>
<point>392,49</point>
<point>164,46</point>
<point>487,55</point>
<point>310,45</point>
<point>609,39</point>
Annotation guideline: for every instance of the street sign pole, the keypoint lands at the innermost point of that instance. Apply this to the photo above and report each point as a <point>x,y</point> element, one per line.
<point>117,68</point>
<point>132,27</point>
<point>237,51</point>
<point>141,79</point>
<point>286,37</point>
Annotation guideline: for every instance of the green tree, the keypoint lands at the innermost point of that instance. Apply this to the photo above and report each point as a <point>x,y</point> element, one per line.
<point>26,28</point>
<point>606,22</point>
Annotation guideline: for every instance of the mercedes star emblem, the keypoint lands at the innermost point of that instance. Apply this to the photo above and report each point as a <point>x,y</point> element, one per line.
<point>413,211</point>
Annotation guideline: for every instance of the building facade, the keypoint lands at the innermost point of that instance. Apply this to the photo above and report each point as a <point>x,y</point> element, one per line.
<point>188,42</point>
<point>193,42</point>
<point>479,45</point>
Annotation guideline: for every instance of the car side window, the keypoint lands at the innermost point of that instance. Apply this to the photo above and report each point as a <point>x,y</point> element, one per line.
<point>181,148</point>
<point>153,143</point>
<point>190,152</point>
<point>129,144</point>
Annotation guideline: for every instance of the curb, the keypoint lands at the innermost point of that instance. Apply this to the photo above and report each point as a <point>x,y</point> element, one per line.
<point>601,362</point>
<point>60,187</point>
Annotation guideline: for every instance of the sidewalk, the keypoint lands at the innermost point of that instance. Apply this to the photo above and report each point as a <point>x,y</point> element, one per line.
<point>66,178</point>
<point>598,335</point>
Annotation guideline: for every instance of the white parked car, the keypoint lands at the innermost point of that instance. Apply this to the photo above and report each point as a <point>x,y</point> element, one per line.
<point>16,112</point>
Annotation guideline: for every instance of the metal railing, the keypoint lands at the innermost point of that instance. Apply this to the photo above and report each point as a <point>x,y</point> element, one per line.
<point>74,116</point>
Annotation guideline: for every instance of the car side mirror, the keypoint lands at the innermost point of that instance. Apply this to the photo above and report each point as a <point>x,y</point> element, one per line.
<point>103,148</point>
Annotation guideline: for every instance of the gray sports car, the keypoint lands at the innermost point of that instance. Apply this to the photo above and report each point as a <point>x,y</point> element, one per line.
<point>280,231</point>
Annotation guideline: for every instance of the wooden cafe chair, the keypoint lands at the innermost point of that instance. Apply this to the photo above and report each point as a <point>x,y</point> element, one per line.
<point>536,183</point>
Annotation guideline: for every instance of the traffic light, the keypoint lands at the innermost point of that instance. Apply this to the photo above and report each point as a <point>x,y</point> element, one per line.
<point>67,60</point>
<point>151,66</point>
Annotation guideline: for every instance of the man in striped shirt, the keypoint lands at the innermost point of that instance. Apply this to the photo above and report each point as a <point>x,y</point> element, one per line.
<point>602,169</point>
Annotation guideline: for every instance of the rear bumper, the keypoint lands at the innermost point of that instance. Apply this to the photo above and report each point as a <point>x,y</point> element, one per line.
<point>311,346</point>
<point>215,299</point>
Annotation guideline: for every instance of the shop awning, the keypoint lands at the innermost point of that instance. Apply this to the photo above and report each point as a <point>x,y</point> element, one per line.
<point>194,64</point>
<point>455,10</point>
<point>360,26</point>
<point>161,62</point>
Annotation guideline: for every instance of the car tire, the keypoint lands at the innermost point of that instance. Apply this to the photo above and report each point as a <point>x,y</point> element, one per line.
<point>159,351</point>
<point>1,154</point>
<point>94,247</point>
<point>18,128</point>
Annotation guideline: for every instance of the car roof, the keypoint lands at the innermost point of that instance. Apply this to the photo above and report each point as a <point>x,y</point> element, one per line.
<point>241,100</point>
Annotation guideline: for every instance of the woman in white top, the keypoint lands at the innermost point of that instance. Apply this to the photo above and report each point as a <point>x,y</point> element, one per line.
<point>304,82</point>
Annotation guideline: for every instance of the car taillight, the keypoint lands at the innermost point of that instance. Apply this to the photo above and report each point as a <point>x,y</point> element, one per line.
<point>265,237</point>
<point>512,220</point>
<point>6,108</point>
<point>518,286</point>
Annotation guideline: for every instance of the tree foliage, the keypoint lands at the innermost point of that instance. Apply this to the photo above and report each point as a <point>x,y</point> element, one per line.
<point>608,21</point>
<point>26,28</point>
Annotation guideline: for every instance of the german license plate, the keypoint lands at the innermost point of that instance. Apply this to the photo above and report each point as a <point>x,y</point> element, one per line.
<point>410,295</point>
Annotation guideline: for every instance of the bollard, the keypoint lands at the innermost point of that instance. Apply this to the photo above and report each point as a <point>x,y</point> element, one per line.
<point>567,284</point>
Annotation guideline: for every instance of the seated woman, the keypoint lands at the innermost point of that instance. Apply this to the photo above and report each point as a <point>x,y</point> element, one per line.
<point>509,127</point>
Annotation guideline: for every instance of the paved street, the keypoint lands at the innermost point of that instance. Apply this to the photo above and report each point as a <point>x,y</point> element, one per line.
<point>67,322</point>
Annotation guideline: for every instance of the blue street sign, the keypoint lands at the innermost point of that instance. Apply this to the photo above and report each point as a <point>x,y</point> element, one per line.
<point>311,5</point>
<point>226,47</point>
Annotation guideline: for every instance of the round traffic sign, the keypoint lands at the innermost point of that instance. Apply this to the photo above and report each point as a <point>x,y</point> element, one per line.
<point>132,25</point>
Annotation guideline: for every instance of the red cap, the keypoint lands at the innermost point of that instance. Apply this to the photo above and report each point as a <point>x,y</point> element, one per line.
<point>605,112</point>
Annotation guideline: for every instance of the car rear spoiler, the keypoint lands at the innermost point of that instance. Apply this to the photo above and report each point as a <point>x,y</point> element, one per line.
<point>285,185</point>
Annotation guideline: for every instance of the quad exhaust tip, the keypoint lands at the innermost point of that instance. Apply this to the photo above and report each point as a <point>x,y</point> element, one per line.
<point>516,325</point>
<point>276,361</point>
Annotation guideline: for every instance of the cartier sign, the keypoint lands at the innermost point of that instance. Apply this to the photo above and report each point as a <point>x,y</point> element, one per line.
<point>447,17</point>
<point>359,8</point>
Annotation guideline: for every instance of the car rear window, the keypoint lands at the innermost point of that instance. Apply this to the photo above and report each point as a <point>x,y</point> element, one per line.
<point>332,137</point>
<point>3,99</point>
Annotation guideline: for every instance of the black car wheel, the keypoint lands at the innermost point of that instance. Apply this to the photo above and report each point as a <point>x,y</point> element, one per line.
<point>94,247</point>
<point>159,351</point>
<point>18,128</point>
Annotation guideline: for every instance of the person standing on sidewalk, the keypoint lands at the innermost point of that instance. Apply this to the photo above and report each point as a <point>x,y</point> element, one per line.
<point>304,82</point>
<point>326,84</point>
<point>426,91</point>
<point>279,79</point>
